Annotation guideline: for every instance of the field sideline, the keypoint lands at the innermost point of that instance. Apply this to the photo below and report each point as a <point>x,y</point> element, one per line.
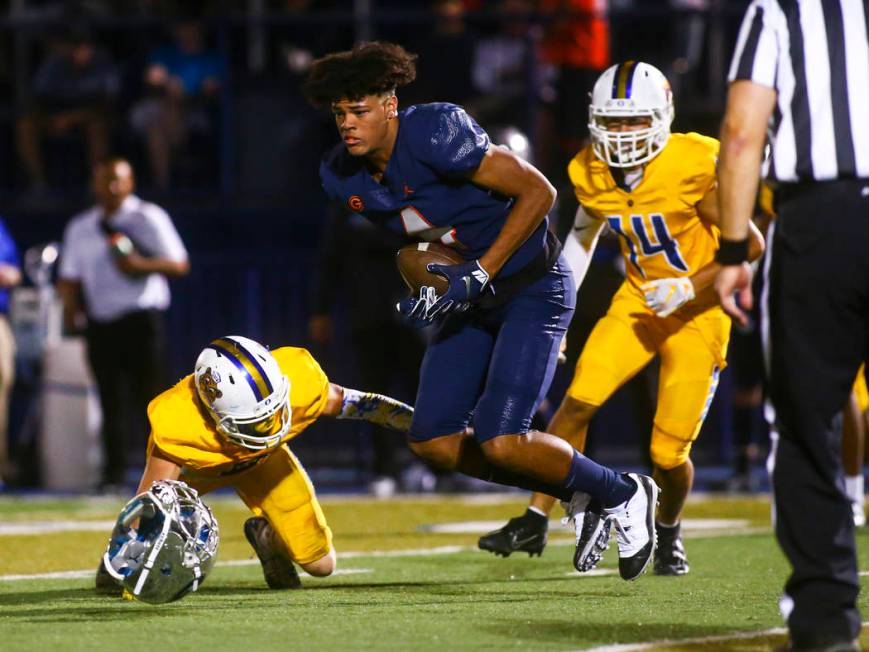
<point>410,579</point>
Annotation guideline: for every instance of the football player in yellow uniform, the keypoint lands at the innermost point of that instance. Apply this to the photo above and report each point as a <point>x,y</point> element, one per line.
<point>657,192</point>
<point>855,418</point>
<point>228,424</point>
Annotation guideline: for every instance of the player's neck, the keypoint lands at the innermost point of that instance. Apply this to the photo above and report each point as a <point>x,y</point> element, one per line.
<point>378,159</point>
<point>628,178</point>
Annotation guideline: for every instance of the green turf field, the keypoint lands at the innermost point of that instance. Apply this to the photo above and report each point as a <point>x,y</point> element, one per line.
<point>403,585</point>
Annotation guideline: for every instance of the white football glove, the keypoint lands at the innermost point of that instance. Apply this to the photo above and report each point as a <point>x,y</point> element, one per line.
<point>665,296</point>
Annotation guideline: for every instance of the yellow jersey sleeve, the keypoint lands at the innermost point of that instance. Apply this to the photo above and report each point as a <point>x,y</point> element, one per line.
<point>660,232</point>
<point>700,165</point>
<point>183,432</point>
<point>309,387</point>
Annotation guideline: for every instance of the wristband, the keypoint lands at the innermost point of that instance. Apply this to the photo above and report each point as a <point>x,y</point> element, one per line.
<point>732,252</point>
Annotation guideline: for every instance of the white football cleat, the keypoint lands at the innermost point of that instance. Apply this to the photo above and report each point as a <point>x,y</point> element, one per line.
<point>634,522</point>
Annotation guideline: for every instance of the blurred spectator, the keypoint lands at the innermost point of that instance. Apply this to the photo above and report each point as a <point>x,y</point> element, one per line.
<point>576,42</point>
<point>10,275</point>
<point>73,91</point>
<point>183,82</point>
<point>507,72</point>
<point>112,280</point>
<point>299,43</point>
<point>357,266</point>
<point>443,73</point>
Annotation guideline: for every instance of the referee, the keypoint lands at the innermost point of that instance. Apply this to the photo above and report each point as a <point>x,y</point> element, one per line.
<point>801,71</point>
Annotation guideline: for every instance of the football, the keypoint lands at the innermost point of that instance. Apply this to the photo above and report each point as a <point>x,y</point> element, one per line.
<point>412,260</point>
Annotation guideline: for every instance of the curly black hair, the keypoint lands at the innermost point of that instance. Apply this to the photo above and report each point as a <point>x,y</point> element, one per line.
<point>368,69</point>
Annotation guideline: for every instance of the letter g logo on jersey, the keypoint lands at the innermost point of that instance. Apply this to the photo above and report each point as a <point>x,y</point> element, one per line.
<point>355,203</point>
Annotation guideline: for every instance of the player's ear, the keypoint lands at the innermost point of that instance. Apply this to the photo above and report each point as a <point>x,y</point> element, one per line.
<point>391,107</point>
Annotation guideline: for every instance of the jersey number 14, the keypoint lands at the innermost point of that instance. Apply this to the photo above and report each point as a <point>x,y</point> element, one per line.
<point>637,239</point>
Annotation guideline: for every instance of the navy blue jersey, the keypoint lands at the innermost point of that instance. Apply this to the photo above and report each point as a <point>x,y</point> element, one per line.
<point>425,193</point>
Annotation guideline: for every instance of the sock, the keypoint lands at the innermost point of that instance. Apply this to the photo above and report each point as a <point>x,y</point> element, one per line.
<point>501,476</point>
<point>535,510</point>
<point>535,514</point>
<point>599,482</point>
<point>854,487</point>
<point>667,529</point>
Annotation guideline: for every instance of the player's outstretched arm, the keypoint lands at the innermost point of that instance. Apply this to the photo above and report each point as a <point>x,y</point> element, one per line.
<point>157,468</point>
<point>346,403</point>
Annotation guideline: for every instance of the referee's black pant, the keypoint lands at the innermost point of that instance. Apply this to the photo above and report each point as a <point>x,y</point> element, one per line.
<point>819,335</point>
<point>127,356</point>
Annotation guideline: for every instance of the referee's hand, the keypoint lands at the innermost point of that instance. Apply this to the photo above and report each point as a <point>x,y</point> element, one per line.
<point>733,285</point>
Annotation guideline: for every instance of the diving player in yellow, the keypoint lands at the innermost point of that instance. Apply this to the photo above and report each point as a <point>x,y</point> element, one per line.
<point>657,192</point>
<point>228,424</point>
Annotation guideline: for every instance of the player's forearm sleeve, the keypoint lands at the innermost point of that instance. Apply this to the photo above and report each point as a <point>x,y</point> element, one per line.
<point>376,408</point>
<point>580,243</point>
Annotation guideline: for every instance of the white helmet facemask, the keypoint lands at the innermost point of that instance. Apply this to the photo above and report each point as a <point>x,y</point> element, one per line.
<point>245,392</point>
<point>630,90</point>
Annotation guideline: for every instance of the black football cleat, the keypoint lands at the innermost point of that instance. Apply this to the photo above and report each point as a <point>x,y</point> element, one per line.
<point>105,584</point>
<point>592,539</point>
<point>526,533</point>
<point>278,568</point>
<point>670,558</point>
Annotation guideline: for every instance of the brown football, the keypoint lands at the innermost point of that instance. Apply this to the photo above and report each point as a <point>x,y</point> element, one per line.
<point>413,258</point>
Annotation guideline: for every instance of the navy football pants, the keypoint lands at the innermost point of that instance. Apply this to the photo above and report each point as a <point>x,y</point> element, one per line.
<point>490,369</point>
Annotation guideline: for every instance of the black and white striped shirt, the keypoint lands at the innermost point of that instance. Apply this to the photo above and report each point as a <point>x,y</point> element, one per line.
<point>815,54</point>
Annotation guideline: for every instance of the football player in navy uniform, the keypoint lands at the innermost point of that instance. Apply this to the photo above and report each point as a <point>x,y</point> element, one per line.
<point>431,173</point>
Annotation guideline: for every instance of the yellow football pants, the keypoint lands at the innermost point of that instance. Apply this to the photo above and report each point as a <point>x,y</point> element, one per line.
<point>860,390</point>
<point>693,350</point>
<point>279,489</point>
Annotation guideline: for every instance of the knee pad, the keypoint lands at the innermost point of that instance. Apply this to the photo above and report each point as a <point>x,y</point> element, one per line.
<point>667,451</point>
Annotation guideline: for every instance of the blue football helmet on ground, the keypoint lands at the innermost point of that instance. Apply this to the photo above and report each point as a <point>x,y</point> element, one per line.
<point>164,543</point>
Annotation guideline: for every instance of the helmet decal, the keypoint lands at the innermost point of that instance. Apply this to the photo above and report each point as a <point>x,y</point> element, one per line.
<point>247,364</point>
<point>208,381</point>
<point>623,80</point>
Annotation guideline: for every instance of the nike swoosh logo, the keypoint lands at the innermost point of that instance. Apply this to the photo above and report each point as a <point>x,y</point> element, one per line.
<point>521,542</point>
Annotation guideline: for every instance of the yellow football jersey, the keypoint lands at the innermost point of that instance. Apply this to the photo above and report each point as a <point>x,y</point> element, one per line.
<point>183,432</point>
<point>660,232</point>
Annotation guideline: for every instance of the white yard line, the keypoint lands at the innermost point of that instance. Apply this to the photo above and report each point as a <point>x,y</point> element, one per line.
<point>415,552</point>
<point>84,574</point>
<point>353,554</point>
<point>700,640</point>
<point>597,572</point>
<point>10,529</point>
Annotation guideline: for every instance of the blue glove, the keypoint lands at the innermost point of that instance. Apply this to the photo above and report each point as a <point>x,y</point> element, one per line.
<point>467,282</point>
<point>414,311</point>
